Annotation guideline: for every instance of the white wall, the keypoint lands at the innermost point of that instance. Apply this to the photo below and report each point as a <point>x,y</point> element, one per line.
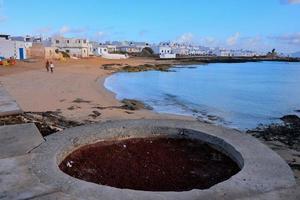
<point>101,51</point>
<point>10,48</point>
<point>162,49</point>
<point>114,56</point>
<point>168,55</point>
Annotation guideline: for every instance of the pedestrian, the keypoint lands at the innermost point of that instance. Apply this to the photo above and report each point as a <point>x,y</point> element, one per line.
<point>51,66</point>
<point>47,65</point>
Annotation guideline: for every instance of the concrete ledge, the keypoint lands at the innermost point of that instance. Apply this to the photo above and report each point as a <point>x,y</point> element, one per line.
<point>19,139</point>
<point>8,106</point>
<point>262,169</point>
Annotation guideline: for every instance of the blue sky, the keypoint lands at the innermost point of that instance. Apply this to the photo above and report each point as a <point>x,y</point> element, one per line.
<point>252,24</point>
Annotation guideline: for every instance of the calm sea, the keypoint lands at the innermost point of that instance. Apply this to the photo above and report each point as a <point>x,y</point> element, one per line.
<point>240,95</point>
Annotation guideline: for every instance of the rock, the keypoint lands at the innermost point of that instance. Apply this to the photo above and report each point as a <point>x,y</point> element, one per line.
<point>47,122</point>
<point>147,67</point>
<point>95,114</point>
<point>79,100</point>
<point>130,104</point>
<point>290,119</point>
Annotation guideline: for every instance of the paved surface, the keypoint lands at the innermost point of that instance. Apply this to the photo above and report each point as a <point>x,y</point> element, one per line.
<point>8,106</point>
<point>18,140</point>
<point>17,181</point>
<point>23,176</point>
<point>264,174</point>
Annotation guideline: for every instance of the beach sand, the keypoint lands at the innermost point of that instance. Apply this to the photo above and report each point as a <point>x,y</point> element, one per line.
<point>75,89</point>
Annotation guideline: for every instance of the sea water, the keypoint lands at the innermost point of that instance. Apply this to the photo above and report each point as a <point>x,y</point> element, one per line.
<point>239,95</point>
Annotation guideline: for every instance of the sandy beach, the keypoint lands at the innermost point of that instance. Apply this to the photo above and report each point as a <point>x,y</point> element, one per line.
<point>75,89</point>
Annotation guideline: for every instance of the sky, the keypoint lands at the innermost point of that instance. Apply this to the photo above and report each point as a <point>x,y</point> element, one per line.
<point>250,24</point>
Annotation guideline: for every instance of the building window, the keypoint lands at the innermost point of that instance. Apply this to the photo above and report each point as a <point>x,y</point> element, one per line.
<point>68,51</point>
<point>68,41</point>
<point>57,41</point>
<point>84,41</point>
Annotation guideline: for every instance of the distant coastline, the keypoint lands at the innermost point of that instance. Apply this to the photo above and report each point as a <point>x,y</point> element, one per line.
<point>217,59</point>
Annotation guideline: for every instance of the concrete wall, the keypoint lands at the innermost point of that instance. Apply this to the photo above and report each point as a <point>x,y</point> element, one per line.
<point>168,55</point>
<point>76,52</point>
<point>36,51</point>
<point>100,51</point>
<point>39,51</point>
<point>114,56</point>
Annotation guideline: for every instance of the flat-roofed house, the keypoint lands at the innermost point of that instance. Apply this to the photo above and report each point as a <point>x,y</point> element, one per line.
<point>164,51</point>
<point>44,50</point>
<point>11,48</point>
<point>74,47</point>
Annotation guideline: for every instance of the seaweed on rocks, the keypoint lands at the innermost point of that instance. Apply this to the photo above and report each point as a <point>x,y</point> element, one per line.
<point>130,104</point>
<point>147,67</point>
<point>287,132</point>
<point>47,122</point>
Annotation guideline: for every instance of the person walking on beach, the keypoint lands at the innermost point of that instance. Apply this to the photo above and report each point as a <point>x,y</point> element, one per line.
<point>47,65</point>
<point>51,66</point>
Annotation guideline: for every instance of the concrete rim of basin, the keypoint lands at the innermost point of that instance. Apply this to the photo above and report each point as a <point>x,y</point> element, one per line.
<point>262,170</point>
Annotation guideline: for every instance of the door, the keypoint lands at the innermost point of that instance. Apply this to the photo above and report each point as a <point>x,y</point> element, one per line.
<point>21,53</point>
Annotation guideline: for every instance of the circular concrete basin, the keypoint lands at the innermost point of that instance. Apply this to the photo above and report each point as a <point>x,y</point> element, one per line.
<point>174,163</point>
<point>258,169</point>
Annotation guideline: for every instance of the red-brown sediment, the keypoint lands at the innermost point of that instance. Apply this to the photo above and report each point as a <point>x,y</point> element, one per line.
<point>153,164</point>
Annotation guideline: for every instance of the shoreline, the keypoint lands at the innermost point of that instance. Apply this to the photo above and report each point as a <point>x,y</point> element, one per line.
<point>77,93</point>
<point>74,79</point>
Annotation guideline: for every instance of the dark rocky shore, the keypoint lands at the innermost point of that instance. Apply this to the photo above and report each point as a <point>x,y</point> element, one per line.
<point>147,67</point>
<point>165,65</point>
<point>284,139</point>
<point>287,133</point>
<point>52,121</point>
<point>47,122</point>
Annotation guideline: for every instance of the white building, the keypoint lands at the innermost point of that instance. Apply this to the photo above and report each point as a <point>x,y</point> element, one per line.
<point>10,48</point>
<point>129,49</point>
<point>100,50</point>
<point>73,46</point>
<point>244,53</point>
<point>103,51</point>
<point>163,51</point>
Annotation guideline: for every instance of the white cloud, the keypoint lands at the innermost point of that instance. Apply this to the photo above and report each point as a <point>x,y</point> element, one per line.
<point>186,38</point>
<point>63,30</point>
<point>232,40</point>
<point>2,18</point>
<point>43,30</point>
<point>290,1</point>
<point>68,30</point>
<point>291,38</point>
<point>101,34</point>
<point>209,41</point>
<point>293,1</point>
